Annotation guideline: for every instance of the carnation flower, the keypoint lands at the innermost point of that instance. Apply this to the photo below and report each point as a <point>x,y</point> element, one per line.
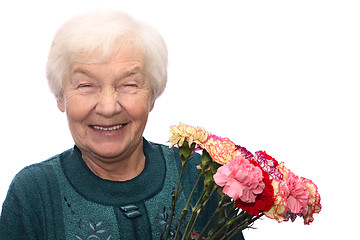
<point>279,208</point>
<point>269,164</point>
<point>181,133</point>
<point>255,183</point>
<point>314,205</point>
<point>241,179</point>
<point>244,152</point>
<point>298,193</point>
<point>294,196</point>
<point>264,201</point>
<point>298,198</point>
<point>221,150</point>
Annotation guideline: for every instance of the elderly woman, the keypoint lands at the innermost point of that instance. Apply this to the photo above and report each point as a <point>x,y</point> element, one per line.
<point>106,70</point>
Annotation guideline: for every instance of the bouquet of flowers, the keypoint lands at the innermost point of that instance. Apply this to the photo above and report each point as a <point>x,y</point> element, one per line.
<point>249,186</point>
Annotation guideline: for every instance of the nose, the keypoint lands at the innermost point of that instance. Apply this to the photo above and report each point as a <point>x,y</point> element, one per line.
<point>108,104</point>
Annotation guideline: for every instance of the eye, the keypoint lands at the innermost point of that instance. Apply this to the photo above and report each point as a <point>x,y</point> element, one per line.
<point>131,85</point>
<point>84,85</point>
<point>128,86</point>
<point>86,88</point>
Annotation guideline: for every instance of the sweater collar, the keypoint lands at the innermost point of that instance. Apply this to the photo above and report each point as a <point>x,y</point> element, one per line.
<point>107,192</point>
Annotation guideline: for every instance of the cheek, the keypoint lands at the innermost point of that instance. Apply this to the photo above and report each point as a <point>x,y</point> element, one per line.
<point>138,111</point>
<point>77,109</point>
<point>137,107</point>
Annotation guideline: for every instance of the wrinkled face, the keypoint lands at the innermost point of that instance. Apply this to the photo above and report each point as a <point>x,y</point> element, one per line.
<point>107,105</point>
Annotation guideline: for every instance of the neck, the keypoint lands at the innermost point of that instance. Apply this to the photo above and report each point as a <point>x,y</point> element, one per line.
<point>120,169</point>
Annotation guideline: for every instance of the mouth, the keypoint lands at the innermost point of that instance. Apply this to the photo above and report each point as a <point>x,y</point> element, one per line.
<point>108,128</point>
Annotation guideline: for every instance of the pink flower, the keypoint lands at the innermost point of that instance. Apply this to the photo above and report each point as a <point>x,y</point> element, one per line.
<point>240,179</point>
<point>298,200</point>
<point>264,201</point>
<point>294,196</point>
<point>298,193</point>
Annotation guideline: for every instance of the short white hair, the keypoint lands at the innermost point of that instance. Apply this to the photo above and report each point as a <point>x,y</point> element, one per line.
<point>102,34</point>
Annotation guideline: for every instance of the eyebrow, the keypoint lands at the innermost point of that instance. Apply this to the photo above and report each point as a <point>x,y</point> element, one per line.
<point>128,72</point>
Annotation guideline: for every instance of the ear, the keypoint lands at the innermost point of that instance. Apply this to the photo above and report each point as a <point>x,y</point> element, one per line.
<point>61,105</point>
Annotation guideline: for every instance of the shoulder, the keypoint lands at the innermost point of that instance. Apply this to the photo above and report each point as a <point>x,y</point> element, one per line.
<point>30,200</point>
<point>36,176</point>
<point>171,158</point>
<point>173,162</point>
<point>35,170</point>
<point>168,153</point>
<point>157,148</point>
<point>35,185</point>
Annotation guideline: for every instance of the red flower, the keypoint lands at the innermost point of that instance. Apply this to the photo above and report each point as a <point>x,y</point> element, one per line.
<point>263,201</point>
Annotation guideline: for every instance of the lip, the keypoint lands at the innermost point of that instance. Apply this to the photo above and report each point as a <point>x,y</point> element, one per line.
<point>108,129</point>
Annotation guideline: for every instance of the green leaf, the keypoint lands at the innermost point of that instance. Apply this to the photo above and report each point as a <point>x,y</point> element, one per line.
<point>214,167</point>
<point>206,160</point>
<point>185,151</point>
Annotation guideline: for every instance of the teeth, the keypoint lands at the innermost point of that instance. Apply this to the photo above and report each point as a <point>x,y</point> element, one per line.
<point>109,128</point>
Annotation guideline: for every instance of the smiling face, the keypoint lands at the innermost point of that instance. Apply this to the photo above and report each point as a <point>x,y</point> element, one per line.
<point>107,106</point>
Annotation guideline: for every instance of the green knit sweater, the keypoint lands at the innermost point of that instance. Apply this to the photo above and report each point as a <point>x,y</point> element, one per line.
<point>61,198</point>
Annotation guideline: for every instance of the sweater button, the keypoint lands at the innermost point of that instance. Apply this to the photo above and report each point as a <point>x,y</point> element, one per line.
<point>131,211</point>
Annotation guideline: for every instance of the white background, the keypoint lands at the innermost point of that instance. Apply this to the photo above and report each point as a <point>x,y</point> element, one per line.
<point>280,76</point>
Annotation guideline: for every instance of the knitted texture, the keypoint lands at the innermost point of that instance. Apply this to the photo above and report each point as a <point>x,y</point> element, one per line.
<point>61,198</point>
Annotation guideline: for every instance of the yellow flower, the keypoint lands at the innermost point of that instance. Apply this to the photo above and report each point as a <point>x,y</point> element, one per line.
<point>279,209</point>
<point>221,150</point>
<point>314,205</point>
<point>284,171</point>
<point>182,132</point>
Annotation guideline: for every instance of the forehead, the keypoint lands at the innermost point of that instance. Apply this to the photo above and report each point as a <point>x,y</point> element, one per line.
<point>124,61</point>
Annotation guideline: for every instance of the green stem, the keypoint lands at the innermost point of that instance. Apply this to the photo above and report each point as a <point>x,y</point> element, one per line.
<point>215,214</point>
<point>196,211</point>
<point>223,216</point>
<point>185,209</point>
<point>191,219</point>
<point>175,197</point>
<point>239,223</point>
<point>230,222</point>
<point>242,227</point>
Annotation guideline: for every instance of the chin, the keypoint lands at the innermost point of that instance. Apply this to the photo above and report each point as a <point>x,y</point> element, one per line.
<point>108,152</point>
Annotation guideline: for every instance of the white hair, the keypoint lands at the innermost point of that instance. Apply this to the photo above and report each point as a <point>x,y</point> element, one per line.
<point>102,34</point>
